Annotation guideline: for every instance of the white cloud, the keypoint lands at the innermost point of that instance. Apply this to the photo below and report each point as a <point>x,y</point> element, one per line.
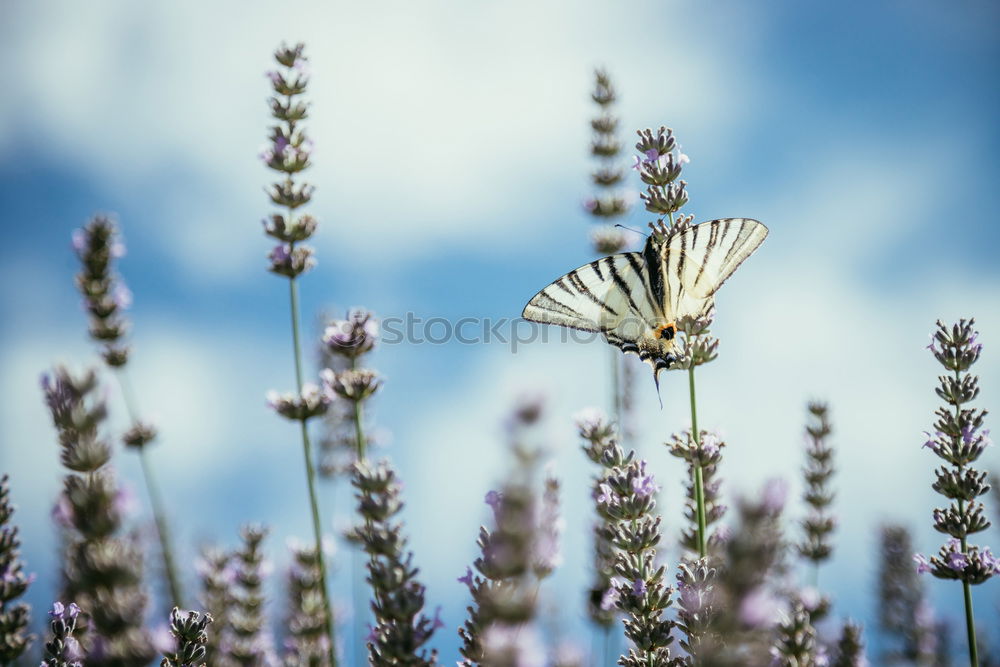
<point>436,124</point>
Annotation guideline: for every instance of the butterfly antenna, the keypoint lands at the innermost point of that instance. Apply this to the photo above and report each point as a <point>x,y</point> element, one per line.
<point>630,229</point>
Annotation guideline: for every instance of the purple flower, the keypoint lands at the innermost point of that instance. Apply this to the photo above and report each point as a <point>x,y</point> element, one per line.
<point>79,240</point>
<point>57,610</point>
<point>590,204</point>
<point>274,76</point>
<point>958,561</point>
<point>775,494</point>
<point>372,635</point>
<point>280,253</point>
<point>759,608</point>
<point>122,296</point>
<point>652,155</point>
<point>611,596</point>
<point>638,588</point>
<point>810,598</point>
<point>467,579</point>
<point>301,65</point>
<point>606,495</point>
<point>125,503</point>
<point>162,640</point>
<point>72,651</point>
<point>922,565</point>
<point>62,511</point>
<point>638,162</point>
<point>493,499</point>
<point>710,445</point>
<point>644,485</point>
<point>437,623</point>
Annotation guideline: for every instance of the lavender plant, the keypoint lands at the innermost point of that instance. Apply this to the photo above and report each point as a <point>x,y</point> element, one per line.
<point>14,616</point>
<point>63,649</point>
<point>596,433</point>
<point>306,645</point>
<point>189,630</point>
<point>742,603</point>
<point>401,628</point>
<point>217,577</point>
<point>796,644</point>
<point>288,153</point>
<point>102,569</point>
<point>247,640</point>
<point>704,453</point>
<point>959,441</point>
<point>903,611</point>
<point>850,648</point>
<point>106,297</point>
<point>345,344</point>
<point>514,557</point>
<point>609,203</point>
<point>625,499</point>
<point>819,523</point>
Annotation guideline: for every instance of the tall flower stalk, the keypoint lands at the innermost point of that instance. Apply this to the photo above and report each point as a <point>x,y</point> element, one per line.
<point>818,525</point>
<point>625,499</point>
<point>596,433</point>
<point>609,203</point>
<point>306,642</point>
<point>106,297</point>
<point>288,153</point>
<point>959,440</point>
<point>63,649</point>
<point>347,342</point>
<point>697,347</point>
<point>516,554</point>
<point>102,569</point>
<point>217,576</point>
<point>247,640</point>
<point>742,605</point>
<point>13,583</point>
<point>401,628</point>
<point>904,615</point>
<point>660,163</point>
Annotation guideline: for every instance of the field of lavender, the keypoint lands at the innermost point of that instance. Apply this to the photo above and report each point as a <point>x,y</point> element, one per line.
<point>771,496</point>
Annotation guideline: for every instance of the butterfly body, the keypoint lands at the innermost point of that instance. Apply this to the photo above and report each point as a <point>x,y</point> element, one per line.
<point>635,299</point>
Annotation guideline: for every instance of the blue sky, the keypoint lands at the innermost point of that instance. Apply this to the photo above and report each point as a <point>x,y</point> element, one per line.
<point>450,165</point>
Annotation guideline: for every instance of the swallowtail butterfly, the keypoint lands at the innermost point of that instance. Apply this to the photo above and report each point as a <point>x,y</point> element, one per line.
<point>635,299</point>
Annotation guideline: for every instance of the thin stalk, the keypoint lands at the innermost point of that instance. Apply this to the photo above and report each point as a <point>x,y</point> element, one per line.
<point>155,500</point>
<point>970,620</point>
<point>699,481</point>
<point>357,576</point>
<point>293,294</point>
<point>616,389</point>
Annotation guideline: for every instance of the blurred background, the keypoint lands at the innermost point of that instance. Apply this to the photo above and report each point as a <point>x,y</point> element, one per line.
<point>452,157</point>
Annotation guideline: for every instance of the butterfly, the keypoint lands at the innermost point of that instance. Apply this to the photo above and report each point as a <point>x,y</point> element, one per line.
<point>635,299</point>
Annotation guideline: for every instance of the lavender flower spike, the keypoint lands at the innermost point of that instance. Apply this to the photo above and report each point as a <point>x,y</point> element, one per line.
<point>959,440</point>
<point>188,629</point>
<point>14,615</point>
<point>289,155</point>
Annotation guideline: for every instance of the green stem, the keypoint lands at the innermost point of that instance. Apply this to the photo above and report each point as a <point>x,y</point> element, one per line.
<point>155,500</point>
<point>616,389</point>
<point>699,481</point>
<point>970,620</point>
<point>293,293</point>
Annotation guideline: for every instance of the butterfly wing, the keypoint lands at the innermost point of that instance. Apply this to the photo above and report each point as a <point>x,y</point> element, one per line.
<point>698,259</point>
<point>610,295</point>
